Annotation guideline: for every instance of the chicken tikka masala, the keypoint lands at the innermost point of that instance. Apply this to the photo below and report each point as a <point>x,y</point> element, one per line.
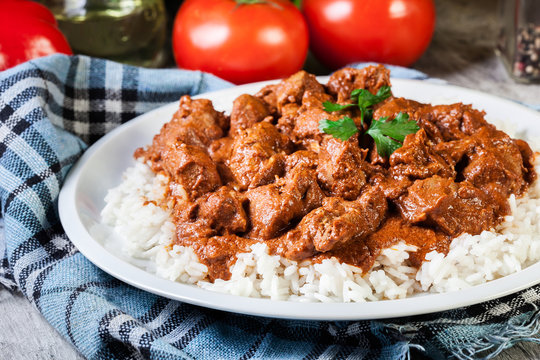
<point>338,170</point>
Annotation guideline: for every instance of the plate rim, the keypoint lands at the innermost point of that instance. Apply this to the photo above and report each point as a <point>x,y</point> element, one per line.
<point>129,273</point>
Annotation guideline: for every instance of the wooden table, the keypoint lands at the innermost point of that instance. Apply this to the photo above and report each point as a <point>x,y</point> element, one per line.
<point>462,52</point>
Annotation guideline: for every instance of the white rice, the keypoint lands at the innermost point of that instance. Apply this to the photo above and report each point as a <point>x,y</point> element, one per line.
<point>147,235</point>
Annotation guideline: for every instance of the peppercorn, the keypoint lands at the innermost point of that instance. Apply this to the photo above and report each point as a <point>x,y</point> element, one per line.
<point>527,58</point>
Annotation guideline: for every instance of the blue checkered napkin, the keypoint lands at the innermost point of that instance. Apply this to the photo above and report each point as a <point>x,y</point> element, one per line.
<point>50,110</point>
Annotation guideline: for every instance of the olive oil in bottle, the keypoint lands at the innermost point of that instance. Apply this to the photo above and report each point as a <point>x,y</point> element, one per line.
<point>127,31</point>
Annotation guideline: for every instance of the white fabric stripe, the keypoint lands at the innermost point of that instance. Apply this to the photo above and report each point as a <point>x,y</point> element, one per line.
<point>38,166</point>
<point>113,106</point>
<point>530,296</point>
<point>114,328</point>
<point>329,353</point>
<point>499,309</point>
<point>182,328</point>
<point>26,260</point>
<point>57,242</point>
<point>82,75</point>
<point>54,92</point>
<point>82,81</point>
<point>358,353</point>
<point>30,283</point>
<point>114,72</point>
<point>136,334</point>
<point>26,108</point>
<point>163,316</point>
<point>4,132</point>
<point>25,151</point>
<point>34,203</point>
<point>23,148</point>
<point>116,322</point>
<point>21,85</point>
<point>9,181</point>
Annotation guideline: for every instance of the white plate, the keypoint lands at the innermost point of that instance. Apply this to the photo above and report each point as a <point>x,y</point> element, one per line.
<point>101,166</point>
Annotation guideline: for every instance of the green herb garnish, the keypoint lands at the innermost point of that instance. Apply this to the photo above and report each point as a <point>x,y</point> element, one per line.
<point>389,135</point>
<point>363,99</point>
<point>331,107</point>
<point>342,129</point>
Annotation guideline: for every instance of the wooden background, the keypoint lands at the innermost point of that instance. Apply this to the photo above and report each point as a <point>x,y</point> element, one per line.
<point>462,52</point>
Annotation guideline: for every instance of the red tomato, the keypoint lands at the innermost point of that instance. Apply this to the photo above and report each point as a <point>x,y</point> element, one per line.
<point>28,30</point>
<point>240,41</point>
<point>388,31</point>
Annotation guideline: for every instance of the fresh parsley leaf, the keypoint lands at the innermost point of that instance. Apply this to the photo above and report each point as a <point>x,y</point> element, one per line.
<point>363,99</point>
<point>342,129</point>
<point>389,135</point>
<point>331,107</point>
<point>385,145</point>
<point>367,99</point>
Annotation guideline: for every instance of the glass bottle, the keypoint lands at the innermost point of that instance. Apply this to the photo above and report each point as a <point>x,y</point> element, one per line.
<point>127,31</point>
<point>518,43</point>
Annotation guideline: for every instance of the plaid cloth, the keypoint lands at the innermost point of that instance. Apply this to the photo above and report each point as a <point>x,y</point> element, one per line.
<point>50,110</point>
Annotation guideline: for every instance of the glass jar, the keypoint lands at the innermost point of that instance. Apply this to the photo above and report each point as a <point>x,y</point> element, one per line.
<point>127,31</point>
<point>519,38</point>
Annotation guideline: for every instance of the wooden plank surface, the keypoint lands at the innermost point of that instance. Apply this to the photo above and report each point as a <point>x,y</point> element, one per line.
<point>462,52</point>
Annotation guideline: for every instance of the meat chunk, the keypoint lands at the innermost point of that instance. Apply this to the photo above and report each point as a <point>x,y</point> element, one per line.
<point>455,208</point>
<point>440,122</point>
<point>300,100</point>
<point>292,89</point>
<point>496,163</point>
<point>528,159</point>
<point>416,159</point>
<point>336,222</point>
<point>201,113</point>
<point>344,81</point>
<point>200,117</point>
<point>220,150</point>
<point>392,187</point>
<point>301,122</point>
<point>392,107</point>
<point>306,127</point>
<point>273,207</point>
<point>223,210</point>
<point>268,96</point>
<point>192,168</point>
<point>258,155</point>
<point>247,111</point>
<point>195,123</point>
<point>455,121</point>
<point>340,167</point>
<point>305,157</point>
<point>455,152</point>
<point>215,213</point>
